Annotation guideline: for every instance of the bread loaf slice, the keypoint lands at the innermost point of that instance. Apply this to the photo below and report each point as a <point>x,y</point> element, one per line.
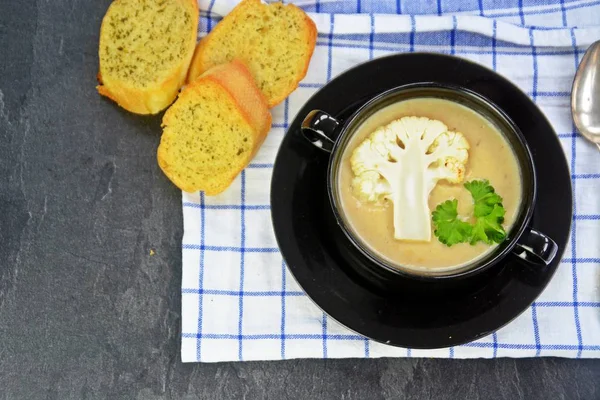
<point>145,51</point>
<point>275,41</point>
<point>213,129</point>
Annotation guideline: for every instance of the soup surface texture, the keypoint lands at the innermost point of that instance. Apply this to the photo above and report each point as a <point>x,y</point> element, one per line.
<point>490,157</point>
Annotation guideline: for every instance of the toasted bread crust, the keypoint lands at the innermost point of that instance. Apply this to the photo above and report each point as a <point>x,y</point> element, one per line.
<point>199,64</point>
<point>158,95</point>
<point>238,85</point>
<point>253,105</point>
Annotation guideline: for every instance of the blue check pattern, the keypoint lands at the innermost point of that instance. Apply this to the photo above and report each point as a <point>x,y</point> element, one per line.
<point>239,302</point>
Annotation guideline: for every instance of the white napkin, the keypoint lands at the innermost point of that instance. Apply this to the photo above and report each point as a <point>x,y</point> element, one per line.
<point>238,300</point>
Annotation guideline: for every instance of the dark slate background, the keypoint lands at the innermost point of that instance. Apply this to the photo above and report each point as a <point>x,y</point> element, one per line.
<point>87,313</point>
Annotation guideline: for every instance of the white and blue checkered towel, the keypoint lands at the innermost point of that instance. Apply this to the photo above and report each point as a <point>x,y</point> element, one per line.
<point>238,300</point>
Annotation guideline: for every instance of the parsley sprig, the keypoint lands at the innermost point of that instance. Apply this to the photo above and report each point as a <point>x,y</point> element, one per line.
<point>488,212</point>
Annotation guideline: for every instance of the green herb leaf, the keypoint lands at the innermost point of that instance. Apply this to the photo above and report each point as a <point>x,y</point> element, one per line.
<point>448,228</point>
<point>489,228</point>
<point>484,197</point>
<point>487,210</point>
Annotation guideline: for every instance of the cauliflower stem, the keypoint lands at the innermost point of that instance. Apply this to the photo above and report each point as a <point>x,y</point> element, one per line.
<point>402,162</point>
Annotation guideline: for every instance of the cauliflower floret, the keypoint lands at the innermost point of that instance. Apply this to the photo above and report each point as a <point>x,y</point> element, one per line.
<point>453,149</point>
<point>369,188</point>
<point>402,162</point>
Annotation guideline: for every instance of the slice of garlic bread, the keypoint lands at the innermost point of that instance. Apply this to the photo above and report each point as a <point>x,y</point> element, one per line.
<point>213,129</point>
<point>145,51</point>
<point>275,41</point>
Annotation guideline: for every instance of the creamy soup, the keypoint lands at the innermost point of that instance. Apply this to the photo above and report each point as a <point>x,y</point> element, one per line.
<point>490,157</point>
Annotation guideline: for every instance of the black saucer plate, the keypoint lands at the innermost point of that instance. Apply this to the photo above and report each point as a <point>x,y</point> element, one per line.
<point>335,275</point>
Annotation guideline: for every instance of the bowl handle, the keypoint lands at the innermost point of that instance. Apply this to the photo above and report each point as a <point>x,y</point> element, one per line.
<point>536,248</point>
<point>321,129</point>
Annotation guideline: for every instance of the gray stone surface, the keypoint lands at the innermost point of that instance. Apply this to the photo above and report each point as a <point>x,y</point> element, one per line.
<point>87,313</point>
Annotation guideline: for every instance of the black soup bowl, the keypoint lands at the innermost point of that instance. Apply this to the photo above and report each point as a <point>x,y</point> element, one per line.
<point>532,248</point>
